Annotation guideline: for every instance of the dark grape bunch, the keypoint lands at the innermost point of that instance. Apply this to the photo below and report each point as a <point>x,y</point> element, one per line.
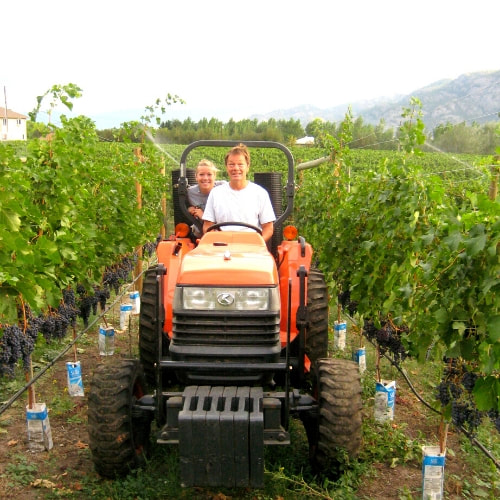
<point>465,414</point>
<point>102,295</point>
<point>119,273</point>
<point>150,247</point>
<point>11,350</point>
<point>495,418</point>
<point>455,392</point>
<point>87,304</point>
<point>345,301</point>
<point>15,344</point>
<point>388,339</point>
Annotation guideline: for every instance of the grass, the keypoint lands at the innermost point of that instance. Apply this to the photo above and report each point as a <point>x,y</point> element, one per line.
<point>20,471</point>
<point>288,474</point>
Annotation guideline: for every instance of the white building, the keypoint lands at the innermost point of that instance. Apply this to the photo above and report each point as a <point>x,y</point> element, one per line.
<point>12,125</point>
<point>305,141</point>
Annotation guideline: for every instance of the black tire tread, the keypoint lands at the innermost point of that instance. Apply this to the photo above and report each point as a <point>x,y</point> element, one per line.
<point>148,318</point>
<point>115,441</point>
<point>317,311</point>
<point>340,410</point>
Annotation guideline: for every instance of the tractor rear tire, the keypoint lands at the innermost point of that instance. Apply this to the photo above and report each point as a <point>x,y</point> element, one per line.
<point>148,330</point>
<point>119,436</point>
<point>317,312</point>
<point>338,433</point>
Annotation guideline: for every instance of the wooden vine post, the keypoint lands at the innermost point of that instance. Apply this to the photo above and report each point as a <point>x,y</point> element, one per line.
<point>138,189</point>
<point>28,372</point>
<point>495,172</point>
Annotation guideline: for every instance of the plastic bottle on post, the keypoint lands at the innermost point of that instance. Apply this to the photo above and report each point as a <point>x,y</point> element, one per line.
<point>125,311</point>
<point>106,340</point>
<point>136,302</point>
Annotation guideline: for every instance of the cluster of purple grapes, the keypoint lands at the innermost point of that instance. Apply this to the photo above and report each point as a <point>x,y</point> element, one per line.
<point>345,301</point>
<point>17,344</point>
<point>55,324</point>
<point>495,418</point>
<point>119,273</point>
<point>11,349</point>
<point>150,248</point>
<point>455,391</point>
<point>388,338</point>
<point>87,304</point>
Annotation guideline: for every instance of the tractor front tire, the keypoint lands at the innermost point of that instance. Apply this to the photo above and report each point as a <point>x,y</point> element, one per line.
<point>119,435</point>
<point>148,327</point>
<point>317,316</point>
<point>338,433</point>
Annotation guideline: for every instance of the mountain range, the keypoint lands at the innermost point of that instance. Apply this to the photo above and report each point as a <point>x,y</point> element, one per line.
<point>471,97</point>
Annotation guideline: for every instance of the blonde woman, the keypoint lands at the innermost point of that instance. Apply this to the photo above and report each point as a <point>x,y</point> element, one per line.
<point>197,195</point>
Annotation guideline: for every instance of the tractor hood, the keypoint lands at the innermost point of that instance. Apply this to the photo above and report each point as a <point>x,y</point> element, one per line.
<point>229,258</point>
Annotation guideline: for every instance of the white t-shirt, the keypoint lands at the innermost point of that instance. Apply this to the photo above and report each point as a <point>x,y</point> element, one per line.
<point>250,204</point>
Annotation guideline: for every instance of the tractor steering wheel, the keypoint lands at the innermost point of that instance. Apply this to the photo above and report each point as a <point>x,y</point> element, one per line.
<point>243,224</point>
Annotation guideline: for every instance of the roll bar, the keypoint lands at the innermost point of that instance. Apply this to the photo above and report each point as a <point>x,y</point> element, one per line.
<point>183,183</point>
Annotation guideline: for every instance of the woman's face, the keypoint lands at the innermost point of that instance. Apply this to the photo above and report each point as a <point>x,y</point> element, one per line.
<point>205,177</point>
<point>237,167</point>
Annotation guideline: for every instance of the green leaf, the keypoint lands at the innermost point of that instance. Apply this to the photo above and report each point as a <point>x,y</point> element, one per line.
<point>453,240</point>
<point>486,393</point>
<point>493,327</point>
<point>10,220</point>
<point>475,245</point>
<point>441,315</point>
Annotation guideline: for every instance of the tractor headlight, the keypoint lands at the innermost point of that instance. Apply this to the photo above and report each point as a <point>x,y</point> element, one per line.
<point>229,299</point>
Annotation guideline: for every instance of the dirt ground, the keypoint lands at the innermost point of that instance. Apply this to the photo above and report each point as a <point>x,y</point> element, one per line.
<point>60,470</point>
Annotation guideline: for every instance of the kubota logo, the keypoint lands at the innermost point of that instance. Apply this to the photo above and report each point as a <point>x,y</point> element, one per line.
<point>225,299</point>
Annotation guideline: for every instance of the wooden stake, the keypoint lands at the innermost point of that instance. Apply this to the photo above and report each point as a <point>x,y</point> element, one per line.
<point>28,374</point>
<point>138,189</point>
<point>495,170</point>
<point>443,435</point>
<point>379,378</point>
<point>74,345</point>
<point>31,389</point>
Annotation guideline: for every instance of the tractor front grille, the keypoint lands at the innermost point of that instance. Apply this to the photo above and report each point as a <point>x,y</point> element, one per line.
<point>221,337</point>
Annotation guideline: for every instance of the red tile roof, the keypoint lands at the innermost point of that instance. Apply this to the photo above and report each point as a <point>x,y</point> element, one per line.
<point>11,114</point>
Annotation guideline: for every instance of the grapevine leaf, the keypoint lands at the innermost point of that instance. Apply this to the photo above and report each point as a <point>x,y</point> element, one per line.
<point>441,315</point>
<point>475,244</point>
<point>494,328</point>
<point>10,220</point>
<point>467,348</point>
<point>453,240</point>
<point>459,326</point>
<point>366,245</point>
<point>486,393</point>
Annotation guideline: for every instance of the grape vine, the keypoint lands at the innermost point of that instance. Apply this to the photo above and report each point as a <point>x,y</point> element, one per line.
<point>17,343</point>
<point>455,394</point>
<point>415,257</point>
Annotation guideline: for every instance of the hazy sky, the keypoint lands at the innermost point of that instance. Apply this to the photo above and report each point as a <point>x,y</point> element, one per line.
<point>236,58</point>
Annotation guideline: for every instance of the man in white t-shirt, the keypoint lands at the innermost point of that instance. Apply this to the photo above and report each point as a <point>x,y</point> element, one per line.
<point>240,200</point>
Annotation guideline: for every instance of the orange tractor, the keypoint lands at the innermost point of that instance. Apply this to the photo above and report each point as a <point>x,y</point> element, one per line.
<point>233,342</point>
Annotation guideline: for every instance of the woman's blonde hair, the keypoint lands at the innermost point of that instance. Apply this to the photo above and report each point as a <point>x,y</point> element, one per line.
<point>207,163</point>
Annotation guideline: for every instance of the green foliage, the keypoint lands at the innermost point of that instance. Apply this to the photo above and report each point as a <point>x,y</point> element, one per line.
<point>19,470</point>
<point>60,94</point>
<point>73,212</point>
<point>409,249</point>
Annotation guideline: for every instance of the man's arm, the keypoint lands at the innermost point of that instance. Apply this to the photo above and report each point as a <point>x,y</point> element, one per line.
<point>206,225</point>
<point>267,230</point>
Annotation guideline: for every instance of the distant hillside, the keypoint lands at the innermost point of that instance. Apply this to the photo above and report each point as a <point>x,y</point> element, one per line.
<point>470,97</point>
